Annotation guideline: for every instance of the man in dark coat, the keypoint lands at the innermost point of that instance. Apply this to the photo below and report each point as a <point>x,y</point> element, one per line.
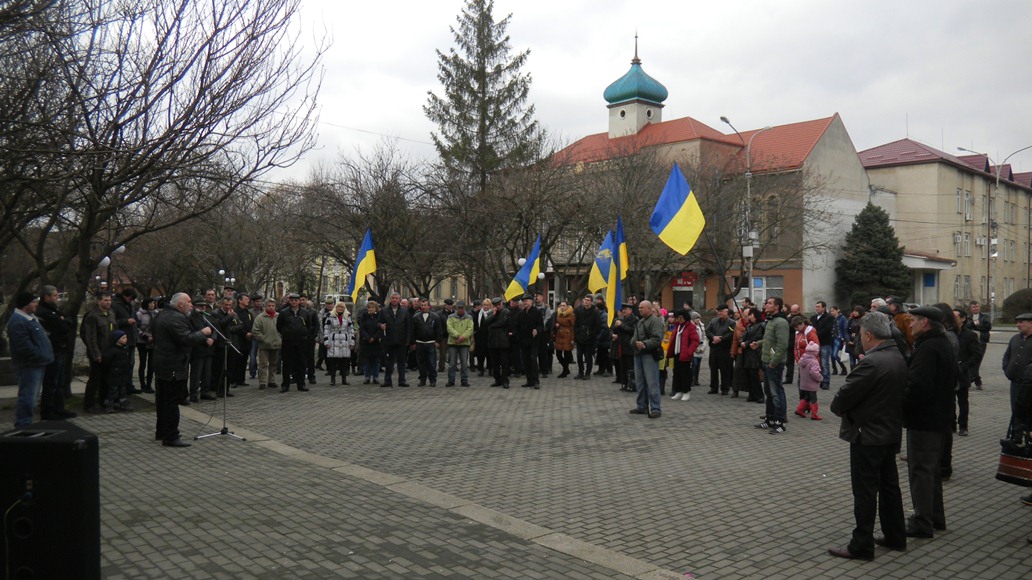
<point>720,333</point>
<point>531,326</point>
<point>426,331</point>
<point>60,330</point>
<point>396,322</point>
<point>871,407</point>
<point>586,327</point>
<point>980,323</point>
<point>173,341</point>
<point>292,324</point>
<point>928,417</point>
<point>498,340</point>
<point>30,355</point>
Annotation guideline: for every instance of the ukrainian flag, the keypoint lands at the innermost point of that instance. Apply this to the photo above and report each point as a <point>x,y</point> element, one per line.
<point>678,219</point>
<point>621,246</point>
<point>528,273</point>
<point>365,264</point>
<point>599,276</point>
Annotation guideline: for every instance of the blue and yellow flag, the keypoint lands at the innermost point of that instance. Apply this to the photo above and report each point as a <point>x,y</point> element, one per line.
<point>678,219</point>
<point>365,264</point>
<point>621,245</point>
<point>598,278</point>
<point>528,273</point>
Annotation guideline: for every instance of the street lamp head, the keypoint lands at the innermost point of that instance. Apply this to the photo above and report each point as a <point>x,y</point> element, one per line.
<point>724,119</point>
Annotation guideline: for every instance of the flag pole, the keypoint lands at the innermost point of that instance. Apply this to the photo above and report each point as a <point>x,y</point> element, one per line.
<point>721,270</point>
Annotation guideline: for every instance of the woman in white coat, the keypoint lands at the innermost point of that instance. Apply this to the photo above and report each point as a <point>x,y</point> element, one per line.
<point>339,339</point>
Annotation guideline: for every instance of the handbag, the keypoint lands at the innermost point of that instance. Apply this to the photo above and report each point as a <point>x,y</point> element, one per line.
<point>1015,465</point>
<point>657,354</point>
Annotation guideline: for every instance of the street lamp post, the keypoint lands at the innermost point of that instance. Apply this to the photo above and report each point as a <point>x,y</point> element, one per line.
<point>747,249</point>
<point>992,227</point>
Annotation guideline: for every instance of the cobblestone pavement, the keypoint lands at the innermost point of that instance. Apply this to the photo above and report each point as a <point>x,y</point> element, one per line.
<point>369,482</point>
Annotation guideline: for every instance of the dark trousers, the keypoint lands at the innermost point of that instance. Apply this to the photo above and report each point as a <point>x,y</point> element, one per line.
<point>145,370</point>
<point>544,358</point>
<point>565,358</point>
<point>132,362</point>
<point>605,365</point>
<point>752,383</point>
<point>500,365</point>
<point>426,358</point>
<point>322,356</point>
<point>529,351</point>
<point>480,356</point>
<point>169,393</point>
<point>789,369</point>
<point>875,483</point>
<point>963,388</point>
<point>341,365</point>
<point>976,365</point>
<point>395,355</point>
<point>219,372</point>
<point>924,458</point>
<point>293,355</point>
<point>52,399</point>
<point>720,365</point>
<point>310,359</point>
<point>682,376</point>
<point>200,375</point>
<point>515,358</point>
<point>627,370</point>
<point>96,386</point>
<point>585,353</point>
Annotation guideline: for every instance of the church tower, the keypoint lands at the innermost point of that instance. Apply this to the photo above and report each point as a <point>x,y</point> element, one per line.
<point>635,100</point>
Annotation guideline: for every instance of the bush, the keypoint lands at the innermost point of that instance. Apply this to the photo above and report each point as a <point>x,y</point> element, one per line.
<point>1017,303</point>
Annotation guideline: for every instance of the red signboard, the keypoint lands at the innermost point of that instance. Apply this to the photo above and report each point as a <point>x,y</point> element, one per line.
<point>684,280</point>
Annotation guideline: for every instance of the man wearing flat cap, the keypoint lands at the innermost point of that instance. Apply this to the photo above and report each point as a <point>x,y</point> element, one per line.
<point>531,326</point>
<point>1018,355</point>
<point>499,343</point>
<point>460,333</point>
<point>928,417</point>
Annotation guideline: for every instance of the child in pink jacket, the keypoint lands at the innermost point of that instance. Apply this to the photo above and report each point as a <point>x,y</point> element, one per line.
<point>810,378</point>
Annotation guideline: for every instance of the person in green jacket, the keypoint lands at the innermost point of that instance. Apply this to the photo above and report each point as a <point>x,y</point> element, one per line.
<point>460,333</point>
<point>773,355</point>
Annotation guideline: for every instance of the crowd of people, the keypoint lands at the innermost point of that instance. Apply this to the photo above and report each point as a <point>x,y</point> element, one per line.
<point>907,368</point>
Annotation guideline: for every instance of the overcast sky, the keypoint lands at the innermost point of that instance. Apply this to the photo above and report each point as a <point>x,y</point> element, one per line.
<point>944,72</point>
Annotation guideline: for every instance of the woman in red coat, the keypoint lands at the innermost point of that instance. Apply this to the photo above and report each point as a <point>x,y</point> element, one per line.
<point>683,342</point>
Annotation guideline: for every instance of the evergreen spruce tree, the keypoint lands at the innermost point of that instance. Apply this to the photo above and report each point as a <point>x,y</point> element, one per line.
<point>872,263</point>
<point>483,119</point>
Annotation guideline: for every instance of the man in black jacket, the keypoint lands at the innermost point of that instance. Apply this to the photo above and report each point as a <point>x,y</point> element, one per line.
<point>531,326</point>
<point>586,327</point>
<point>426,331</point>
<point>871,407</point>
<point>928,416</point>
<point>61,333</point>
<point>292,324</point>
<point>720,333</point>
<point>396,322</point>
<point>499,341</point>
<point>981,324</point>
<point>824,323</point>
<point>173,340</point>
<point>125,320</point>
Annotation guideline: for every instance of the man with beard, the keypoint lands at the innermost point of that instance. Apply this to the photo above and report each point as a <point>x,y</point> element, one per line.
<point>173,340</point>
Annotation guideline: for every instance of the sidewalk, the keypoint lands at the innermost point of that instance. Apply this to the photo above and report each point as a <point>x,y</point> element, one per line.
<point>365,482</point>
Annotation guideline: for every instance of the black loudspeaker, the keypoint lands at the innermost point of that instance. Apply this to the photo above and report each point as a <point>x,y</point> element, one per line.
<point>50,501</point>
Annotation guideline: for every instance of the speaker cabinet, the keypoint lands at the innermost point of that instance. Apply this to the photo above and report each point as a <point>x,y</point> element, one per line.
<point>50,501</point>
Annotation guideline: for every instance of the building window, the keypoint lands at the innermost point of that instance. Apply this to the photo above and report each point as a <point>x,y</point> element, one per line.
<point>967,205</point>
<point>985,209</point>
<point>967,244</point>
<point>958,243</point>
<point>956,287</point>
<point>437,290</point>
<point>960,200</point>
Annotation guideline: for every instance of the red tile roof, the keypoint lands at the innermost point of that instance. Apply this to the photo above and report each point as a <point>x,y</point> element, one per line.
<point>781,148</point>
<point>1023,179</point>
<point>910,152</point>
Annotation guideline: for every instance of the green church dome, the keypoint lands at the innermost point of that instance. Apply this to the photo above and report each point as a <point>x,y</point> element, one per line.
<point>635,85</point>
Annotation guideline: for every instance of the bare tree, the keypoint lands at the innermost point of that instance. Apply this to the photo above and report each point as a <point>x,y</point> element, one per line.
<point>167,108</point>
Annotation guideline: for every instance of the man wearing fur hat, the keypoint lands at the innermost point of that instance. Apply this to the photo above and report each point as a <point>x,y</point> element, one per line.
<point>928,417</point>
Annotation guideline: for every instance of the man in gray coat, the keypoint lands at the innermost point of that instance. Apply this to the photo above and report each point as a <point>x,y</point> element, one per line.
<point>647,341</point>
<point>871,407</point>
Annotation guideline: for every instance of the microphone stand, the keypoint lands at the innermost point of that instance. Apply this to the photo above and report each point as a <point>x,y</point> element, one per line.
<point>223,381</point>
